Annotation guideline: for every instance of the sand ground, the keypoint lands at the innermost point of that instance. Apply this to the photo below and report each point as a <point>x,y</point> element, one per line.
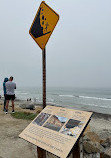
<point>11,146</point>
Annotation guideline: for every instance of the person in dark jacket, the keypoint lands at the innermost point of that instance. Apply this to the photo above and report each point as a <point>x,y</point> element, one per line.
<point>4,90</point>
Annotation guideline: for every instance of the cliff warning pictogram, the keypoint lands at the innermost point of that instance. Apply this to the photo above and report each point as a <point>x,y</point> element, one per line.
<point>43,24</point>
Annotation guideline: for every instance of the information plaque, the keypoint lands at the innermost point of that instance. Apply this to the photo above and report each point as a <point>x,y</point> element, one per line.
<point>56,129</point>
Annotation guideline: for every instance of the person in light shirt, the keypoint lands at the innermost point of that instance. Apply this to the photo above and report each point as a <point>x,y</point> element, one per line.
<point>10,94</point>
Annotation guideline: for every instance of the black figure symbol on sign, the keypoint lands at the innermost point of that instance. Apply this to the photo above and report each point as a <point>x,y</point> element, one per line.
<point>40,25</point>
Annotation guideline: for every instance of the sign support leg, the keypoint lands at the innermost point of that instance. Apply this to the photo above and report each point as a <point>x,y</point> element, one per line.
<point>44,76</point>
<point>41,153</point>
<point>76,151</point>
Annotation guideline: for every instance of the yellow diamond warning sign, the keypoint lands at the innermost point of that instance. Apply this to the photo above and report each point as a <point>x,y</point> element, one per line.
<point>43,24</point>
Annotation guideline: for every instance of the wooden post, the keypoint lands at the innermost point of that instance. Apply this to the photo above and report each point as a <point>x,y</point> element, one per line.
<point>78,150</point>
<point>44,76</point>
<point>41,153</point>
<point>101,155</point>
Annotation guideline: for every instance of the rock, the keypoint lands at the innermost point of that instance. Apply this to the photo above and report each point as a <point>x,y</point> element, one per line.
<point>86,130</point>
<point>93,155</point>
<point>106,143</point>
<point>106,154</point>
<point>28,106</point>
<point>92,137</point>
<point>85,138</point>
<point>91,143</point>
<point>91,147</point>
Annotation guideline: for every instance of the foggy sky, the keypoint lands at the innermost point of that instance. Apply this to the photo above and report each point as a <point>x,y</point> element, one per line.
<point>78,53</point>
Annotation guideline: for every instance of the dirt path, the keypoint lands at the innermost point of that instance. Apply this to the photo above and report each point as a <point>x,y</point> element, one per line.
<point>11,146</point>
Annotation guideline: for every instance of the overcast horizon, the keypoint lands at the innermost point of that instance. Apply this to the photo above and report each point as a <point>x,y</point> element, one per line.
<point>78,52</point>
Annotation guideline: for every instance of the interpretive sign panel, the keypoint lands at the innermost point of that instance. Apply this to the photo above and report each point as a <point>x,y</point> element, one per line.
<point>43,24</point>
<point>57,129</point>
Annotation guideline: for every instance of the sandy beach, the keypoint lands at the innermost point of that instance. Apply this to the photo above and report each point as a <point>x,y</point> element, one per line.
<point>11,146</point>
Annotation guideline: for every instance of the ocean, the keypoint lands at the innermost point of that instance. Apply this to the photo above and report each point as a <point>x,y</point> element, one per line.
<point>89,99</point>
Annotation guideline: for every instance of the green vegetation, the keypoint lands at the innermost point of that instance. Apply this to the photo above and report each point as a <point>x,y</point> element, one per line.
<point>24,115</point>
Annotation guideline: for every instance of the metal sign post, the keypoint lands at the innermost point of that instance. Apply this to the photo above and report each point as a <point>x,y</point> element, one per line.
<point>44,76</point>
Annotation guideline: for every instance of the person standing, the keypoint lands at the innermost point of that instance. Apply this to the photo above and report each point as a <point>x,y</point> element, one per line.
<point>10,94</point>
<point>4,90</point>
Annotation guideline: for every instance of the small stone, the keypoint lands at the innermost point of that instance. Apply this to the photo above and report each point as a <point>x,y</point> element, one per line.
<point>91,147</point>
<point>106,143</point>
<point>107,153</point>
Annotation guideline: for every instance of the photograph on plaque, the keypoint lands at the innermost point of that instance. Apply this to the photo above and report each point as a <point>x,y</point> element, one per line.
<point>41,119</point>
<point>55,122</point>
<point>72,127</point>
